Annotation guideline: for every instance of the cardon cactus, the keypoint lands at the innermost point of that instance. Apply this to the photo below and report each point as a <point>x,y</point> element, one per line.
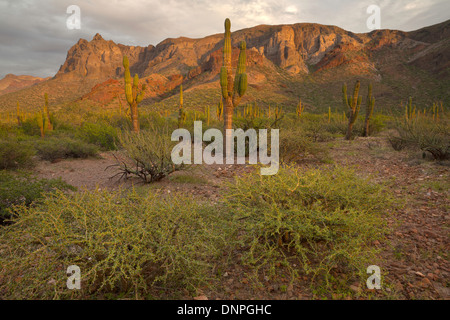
<point>353,103</point>
<point>19,117</point>
<point>47,113</point>
<point>369,111</point>
<point>41,122</point>
<point>181,112</point>
<point>132,93</point>
<point>232,89</point>
<point>300,109</point>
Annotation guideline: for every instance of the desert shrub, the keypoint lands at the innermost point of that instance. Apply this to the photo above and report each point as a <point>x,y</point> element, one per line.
<point>30,127</point>
<point>377,123</point>
<point>424,134</point>
<point>99,134</point>
<point>296,146</point>
<point>15,154</point>
<point>55,148</point>
<point>23,189</point>
<point>323,221</point>
<point>150,150</point>
<point>123,243</point>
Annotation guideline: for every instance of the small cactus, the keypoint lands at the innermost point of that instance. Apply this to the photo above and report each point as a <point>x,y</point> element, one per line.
<point>181,112</point>
<point>353,103</point>
<point>41,122</point>
<point>47,113</point>
<point>300,108</point>
<point>220,110</point>
<point>369,111</point>
<point>208,114</point>
<point>19,116</point>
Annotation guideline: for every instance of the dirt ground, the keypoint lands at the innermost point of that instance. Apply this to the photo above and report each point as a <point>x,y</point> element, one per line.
<point>414,259</point>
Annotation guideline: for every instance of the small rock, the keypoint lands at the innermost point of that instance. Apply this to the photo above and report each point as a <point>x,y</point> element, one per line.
<point>420,274</point>
<point>355,288</point>
<point>201,298</point>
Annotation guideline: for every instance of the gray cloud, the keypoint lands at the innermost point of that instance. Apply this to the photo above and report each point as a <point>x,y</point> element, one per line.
<point>34,39</point>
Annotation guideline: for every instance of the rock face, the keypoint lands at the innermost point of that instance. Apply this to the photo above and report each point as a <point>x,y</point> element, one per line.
<point>12,83</point>
<point>93,69</point>
<point>298,48</point>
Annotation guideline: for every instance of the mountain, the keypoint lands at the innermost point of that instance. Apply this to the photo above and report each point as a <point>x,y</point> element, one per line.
<point>12,83</point>
<point>284,62</point>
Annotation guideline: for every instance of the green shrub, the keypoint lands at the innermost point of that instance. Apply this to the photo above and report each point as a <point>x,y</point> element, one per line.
<point>321,221</point>
<point>99,134</point>
<point>15,154</point>
<point>424,134</point>
<point>55,148</point>
<point>23,189</point>
<point>295,146</point>
<point>30,127</point>
<point>123,243</point>
<point>151,151</point>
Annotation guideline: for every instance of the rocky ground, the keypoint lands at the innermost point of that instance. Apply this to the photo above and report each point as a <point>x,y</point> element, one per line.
<point>414,259</point>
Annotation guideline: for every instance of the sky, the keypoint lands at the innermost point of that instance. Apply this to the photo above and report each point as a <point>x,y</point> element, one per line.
<point>34,37</point>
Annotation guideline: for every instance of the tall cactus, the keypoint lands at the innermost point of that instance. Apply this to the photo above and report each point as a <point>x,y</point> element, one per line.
<point>181,112</point>
<point>232,89</point>
<point>369,111</point>
<point>41,122</point>
<point>300,108</point>
<point>132,93</point>
<point>47,113</point>
<point>353,103</point>
<point>19,117</point>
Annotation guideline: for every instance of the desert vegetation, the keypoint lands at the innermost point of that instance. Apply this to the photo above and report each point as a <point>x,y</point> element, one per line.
<point>222,231</point>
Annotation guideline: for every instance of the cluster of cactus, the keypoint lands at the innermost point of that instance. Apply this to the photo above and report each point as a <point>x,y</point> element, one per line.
<point>132,93</point>
<point>181,112</point>
<point>278,112</point>
<point>435,110</point>
<point>369,111</point>
<point>300,108</point>
<point>353,104</point>
<point>252,111</point>
<point>410,111</point>
<point>232,89</point>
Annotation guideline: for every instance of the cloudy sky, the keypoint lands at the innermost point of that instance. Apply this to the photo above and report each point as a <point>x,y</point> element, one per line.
<point>34,38</point>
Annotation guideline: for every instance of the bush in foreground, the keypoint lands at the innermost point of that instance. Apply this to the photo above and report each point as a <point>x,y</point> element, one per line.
<point>322,221</point>
<point>150,150</point>
<point>23,189</point>
<point>123,243</point>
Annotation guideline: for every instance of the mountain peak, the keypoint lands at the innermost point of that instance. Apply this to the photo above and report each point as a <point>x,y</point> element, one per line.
<point>97,37</point>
